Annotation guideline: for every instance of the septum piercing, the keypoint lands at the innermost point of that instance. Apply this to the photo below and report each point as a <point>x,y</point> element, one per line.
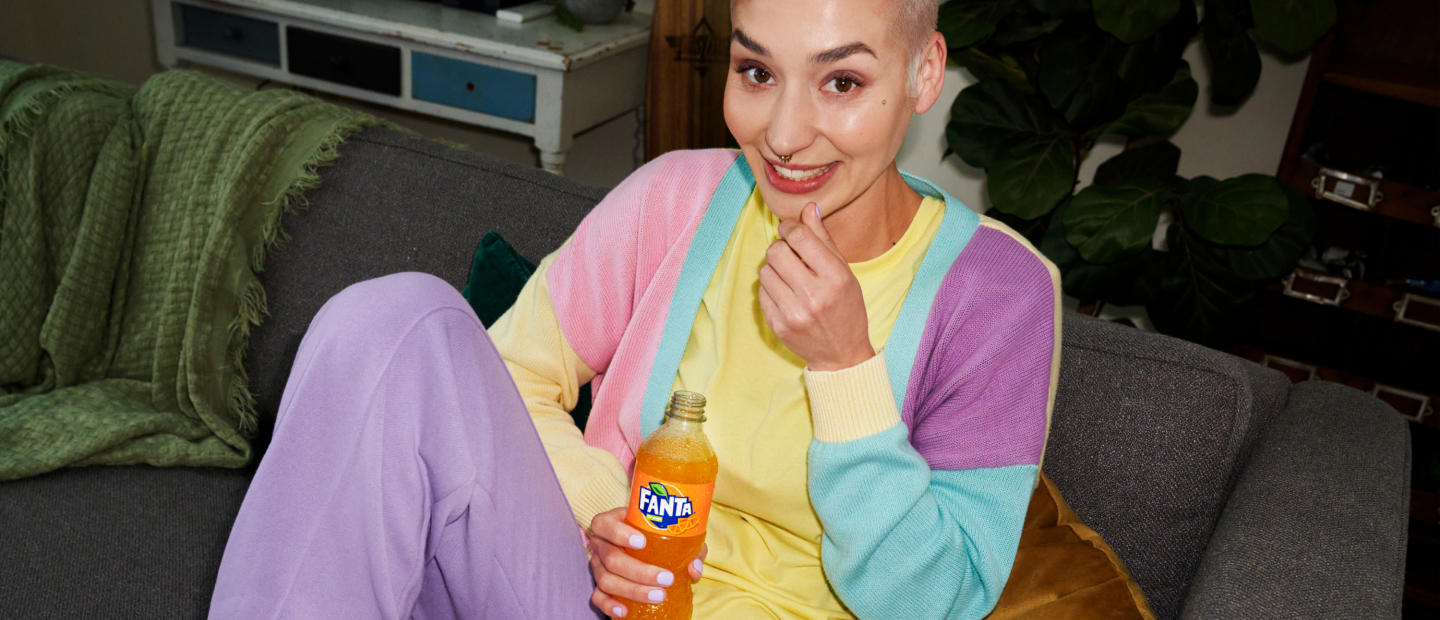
<point>785,159</point>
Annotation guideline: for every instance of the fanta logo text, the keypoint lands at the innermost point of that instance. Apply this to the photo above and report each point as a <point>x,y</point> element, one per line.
<point>664,507</point>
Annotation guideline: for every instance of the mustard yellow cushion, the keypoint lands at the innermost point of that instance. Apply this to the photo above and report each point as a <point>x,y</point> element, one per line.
<point>1065,570</point>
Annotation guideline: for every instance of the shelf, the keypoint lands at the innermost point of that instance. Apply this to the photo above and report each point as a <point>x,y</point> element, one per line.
<point>1402,202</point>
<point>1413,84</point>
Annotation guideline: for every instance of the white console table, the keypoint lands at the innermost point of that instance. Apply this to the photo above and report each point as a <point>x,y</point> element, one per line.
<point>539,79</point>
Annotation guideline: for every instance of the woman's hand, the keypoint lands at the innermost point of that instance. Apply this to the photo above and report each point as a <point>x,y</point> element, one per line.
<point>811,299</point>
<point>619,575</point>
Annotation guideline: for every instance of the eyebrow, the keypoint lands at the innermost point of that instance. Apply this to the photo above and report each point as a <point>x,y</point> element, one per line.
<point>841,53</point>
<point>825,57</point>
<point>748,43</point>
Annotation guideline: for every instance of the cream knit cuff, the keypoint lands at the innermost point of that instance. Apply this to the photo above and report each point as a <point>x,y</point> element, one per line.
<point>853,403</point>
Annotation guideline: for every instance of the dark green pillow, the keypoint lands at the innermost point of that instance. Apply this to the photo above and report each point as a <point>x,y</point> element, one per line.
<point>497,274</point>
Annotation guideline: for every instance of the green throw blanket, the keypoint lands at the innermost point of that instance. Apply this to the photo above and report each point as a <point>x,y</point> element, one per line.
<point>132,222</point>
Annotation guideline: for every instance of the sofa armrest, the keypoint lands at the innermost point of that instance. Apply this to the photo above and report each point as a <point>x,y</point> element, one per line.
<point>1316,525</point>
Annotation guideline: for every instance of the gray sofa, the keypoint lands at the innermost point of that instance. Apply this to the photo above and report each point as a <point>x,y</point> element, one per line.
<point>1229,493</point>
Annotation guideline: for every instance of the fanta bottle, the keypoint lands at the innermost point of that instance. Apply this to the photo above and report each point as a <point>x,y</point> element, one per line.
<point>670,501</point>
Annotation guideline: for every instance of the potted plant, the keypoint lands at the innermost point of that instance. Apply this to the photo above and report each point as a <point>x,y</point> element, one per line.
<point>1056,75</point>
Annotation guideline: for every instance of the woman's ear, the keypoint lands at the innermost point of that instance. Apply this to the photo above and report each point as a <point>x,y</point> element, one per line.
<point>930,78</point>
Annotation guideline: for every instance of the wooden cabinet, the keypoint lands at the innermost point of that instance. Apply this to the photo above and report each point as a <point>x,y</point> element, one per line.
<point>1364,145</point>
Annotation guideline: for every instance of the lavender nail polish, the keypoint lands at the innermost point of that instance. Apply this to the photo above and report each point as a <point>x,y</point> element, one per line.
<point>637,541</point>
<point>657,596</point>
<point>699,567</point>
<point>618,612</point>
<point>665,578</point>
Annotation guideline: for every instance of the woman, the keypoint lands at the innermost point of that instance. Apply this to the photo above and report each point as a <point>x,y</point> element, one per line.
<point>879,362</point>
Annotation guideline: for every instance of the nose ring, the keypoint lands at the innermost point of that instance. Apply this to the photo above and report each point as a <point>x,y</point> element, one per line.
<point>785,159</point>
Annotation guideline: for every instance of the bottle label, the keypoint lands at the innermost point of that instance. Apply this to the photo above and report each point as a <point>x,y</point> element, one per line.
<point>668,508</point>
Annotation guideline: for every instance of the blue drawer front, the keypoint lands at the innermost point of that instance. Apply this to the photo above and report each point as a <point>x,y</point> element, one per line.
<point>231,34</point>
<point>460,84</point>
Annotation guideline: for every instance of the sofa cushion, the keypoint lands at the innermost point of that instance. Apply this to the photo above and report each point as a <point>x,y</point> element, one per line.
<point>115,542</point>
<point>1149,433</point>
<point>396,202</point>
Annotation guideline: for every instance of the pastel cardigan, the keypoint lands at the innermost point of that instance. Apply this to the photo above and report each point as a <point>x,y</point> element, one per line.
<point>921,520</point>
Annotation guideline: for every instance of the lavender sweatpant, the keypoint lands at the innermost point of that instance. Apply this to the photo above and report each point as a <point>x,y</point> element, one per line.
<point>405,478</point>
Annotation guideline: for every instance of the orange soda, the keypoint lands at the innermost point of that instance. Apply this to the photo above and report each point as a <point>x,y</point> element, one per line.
<point>670,501</point>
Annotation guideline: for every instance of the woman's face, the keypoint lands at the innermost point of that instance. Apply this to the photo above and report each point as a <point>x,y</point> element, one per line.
<point>824,82</point>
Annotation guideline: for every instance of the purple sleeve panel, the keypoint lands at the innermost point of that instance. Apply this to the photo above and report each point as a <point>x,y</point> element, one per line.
<point>981,389</point>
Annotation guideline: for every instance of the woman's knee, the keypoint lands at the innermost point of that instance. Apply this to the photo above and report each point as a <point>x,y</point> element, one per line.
<point>372,307</point>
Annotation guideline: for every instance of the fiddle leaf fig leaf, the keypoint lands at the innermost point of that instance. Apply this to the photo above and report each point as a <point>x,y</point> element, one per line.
<point>967,22</point>
<point>1107,223</point>
<point>1292,25</point>
<point>1061,8</point>
<point>1027,179</point>
<point>1001,67</point>
<point>1133,20</point>
<point>1278,255</point>
<point>1234,59</point>
<point>991,113</point>
<point>1200,300</point>
<point>1150,64</point>
<point>1079,74</point>
<point>1123,283</point>
<point>1244,210</point>
<point>1162,113</point>
<point>1154,161</point>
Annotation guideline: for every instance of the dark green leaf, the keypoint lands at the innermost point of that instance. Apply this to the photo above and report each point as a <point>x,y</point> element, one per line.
<point>1234,59</point>
<point>1027,179</point>
<point>1061,8</point>
<point>1032,230</point>
<point>1278,255</point>
<point>1133,20</point>
<point>1159,114</point>
<point>1202,183</point>
<point>1292,25</point>
<point>990,113</point>
<point>1078,65</point>
<point>1110,222</point>
<point>1154,161</point>
<point>658,489</point>
<point>1199,300</point>
<point>1150,64</point>
<point>1244,210</point>
<point>1128,282</point>
<point>1022,30</point>
<point>986,67</point>
<point>966,22</point>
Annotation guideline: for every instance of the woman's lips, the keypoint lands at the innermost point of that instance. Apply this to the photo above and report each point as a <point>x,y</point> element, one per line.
<point>801,185</point>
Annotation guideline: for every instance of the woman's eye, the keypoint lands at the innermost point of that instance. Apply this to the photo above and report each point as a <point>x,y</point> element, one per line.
<point>843,84</point>
<point>759,75</point>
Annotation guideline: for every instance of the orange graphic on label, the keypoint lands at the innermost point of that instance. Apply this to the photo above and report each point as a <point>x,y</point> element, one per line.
<point>670,508</point>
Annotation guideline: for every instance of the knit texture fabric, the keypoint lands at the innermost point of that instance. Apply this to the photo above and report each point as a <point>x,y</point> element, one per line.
<point>134,221</point>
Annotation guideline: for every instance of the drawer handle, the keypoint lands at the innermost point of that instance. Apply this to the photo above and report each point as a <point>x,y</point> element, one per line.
<point>1402,311</point>
<point>1345,186</point>
<point>1422,401</point>
<point>233,34</point>
<point>1342,292</point>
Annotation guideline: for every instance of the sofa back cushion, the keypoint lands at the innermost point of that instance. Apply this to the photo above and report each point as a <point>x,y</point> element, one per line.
<point>1148,435</point>
<point>396,202</point>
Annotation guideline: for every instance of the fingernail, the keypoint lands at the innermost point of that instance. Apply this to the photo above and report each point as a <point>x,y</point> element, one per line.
<point>657,596</point>
<point>665,578</point>
<point>618,612</point>
<point>637,541</point>
<point>699,567</point>
<point>817,212</point>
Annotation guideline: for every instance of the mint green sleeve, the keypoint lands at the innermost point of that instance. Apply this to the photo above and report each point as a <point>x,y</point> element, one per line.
<point>903,541</point>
